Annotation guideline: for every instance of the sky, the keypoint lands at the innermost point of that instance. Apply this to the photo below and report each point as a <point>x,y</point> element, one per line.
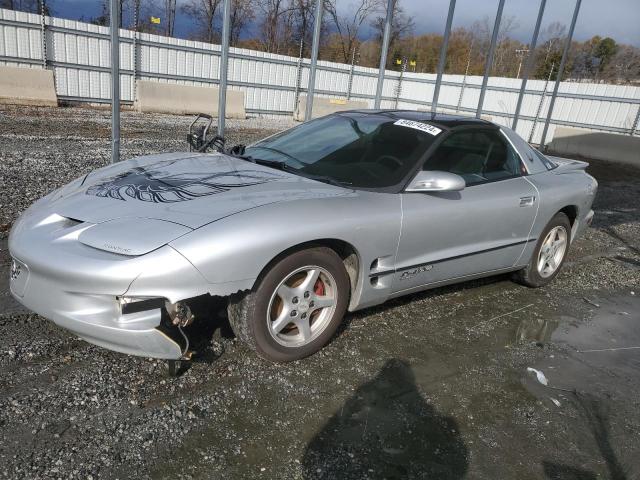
<point>619,19</point>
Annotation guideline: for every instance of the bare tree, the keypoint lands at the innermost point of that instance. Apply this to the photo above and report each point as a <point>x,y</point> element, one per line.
<point>274,12</point>
<point>624,66</point>
<point>552,39</point>
<point>401,26</point>
<point>348,25</point>
<point>203,13</point>
<point>300,18</point>
<point>242,14</point>
<point>505,58</point>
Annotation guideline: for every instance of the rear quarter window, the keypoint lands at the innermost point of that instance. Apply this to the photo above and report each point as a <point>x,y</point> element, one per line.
<point>545,161</point>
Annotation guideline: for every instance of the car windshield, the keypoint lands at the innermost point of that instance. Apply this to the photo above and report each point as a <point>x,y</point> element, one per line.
<point>354,150</point>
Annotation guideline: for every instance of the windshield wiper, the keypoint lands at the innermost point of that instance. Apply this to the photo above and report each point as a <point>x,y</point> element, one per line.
<point>267,163</point>
<point>280,152</point>
<point>325,179</point>
<point>280,165</point>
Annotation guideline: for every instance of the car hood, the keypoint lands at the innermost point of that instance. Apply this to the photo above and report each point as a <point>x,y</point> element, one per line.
<point>188,189</point>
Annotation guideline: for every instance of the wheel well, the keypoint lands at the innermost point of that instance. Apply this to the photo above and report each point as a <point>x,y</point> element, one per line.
<point>345,251</point>
<point>570,211</point>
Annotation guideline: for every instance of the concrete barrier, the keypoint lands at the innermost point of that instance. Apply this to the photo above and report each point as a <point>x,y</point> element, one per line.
<point>27,86</point>
<point>325,106</point>
<point>186,99</point>
<point>597,145</point>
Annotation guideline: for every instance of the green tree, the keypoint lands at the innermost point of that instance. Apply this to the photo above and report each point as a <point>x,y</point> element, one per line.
<point>605,50</point>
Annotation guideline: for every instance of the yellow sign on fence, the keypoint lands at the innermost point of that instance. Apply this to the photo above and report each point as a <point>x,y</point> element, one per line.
<point>155,20</point>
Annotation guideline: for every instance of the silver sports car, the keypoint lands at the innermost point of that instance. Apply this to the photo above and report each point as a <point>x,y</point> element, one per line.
<point>340,213</point>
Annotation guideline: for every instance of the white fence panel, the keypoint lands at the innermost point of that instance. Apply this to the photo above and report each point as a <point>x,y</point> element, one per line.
<point>78,53</point>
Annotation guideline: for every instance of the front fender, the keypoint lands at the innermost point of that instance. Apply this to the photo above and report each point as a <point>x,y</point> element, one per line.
<point>232,252</point>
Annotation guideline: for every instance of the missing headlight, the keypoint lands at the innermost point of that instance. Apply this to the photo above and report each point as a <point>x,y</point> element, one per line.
<point>129,305</point>
<point>180,314</point>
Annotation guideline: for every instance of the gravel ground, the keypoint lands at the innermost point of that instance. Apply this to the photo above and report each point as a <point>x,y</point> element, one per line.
<point>434,385</point>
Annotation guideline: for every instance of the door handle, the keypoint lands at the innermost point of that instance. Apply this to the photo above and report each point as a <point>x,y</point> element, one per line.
<point>527,201</point>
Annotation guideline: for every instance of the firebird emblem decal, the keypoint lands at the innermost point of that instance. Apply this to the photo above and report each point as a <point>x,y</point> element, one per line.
<point>153,184</point>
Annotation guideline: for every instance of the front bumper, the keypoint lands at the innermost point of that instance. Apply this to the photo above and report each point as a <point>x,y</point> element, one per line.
<point>78,287</point>
<point>96,318</point>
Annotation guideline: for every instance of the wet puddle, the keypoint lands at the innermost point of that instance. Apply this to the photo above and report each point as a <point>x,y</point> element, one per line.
<point>602,353</point>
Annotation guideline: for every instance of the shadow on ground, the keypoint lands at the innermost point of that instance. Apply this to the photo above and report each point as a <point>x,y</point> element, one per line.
<point>387,430</point>
<point>596,413</point>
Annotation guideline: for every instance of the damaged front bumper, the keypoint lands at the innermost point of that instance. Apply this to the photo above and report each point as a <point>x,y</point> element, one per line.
<point>99,318</point>
<point>81,288</point>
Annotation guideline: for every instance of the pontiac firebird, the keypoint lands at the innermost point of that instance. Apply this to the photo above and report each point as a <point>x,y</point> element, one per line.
<point>340,213</point>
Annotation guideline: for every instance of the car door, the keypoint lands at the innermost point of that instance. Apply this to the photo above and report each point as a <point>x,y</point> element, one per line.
<point>482,228</point>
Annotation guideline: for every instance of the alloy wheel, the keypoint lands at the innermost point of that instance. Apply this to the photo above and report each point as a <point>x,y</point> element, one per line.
<point>552,251</point>
<point>302,306</point>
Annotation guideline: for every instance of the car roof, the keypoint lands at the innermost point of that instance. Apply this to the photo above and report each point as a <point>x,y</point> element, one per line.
<point>438,119</point>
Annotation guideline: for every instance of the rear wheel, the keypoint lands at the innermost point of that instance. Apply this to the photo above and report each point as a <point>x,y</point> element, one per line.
<point>549,254</point>
<point>295,308</point>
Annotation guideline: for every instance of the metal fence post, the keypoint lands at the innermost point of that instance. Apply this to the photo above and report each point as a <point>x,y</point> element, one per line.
<point>635,125</point>
<point>351,71</point>
<point>443,56</point>
<point>296,95</point>
<point>383,52</point>
<point>464,78</point>
<point>531,57</point>
<point>115,81</point>
<point>542,97</point>
<point>43,34</point>
<point>314,60</point>
<point>224,64</point>
<point>399,85</point>
<point>492,50</point>
<point>136,15</point>
<point>563,61</point>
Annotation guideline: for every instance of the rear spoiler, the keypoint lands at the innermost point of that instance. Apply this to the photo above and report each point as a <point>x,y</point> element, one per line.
<point>566,165</point>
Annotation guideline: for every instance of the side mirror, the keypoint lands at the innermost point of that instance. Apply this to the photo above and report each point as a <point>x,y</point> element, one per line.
<point>436,181</point>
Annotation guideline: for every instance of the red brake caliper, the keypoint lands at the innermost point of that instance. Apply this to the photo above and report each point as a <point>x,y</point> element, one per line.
<point>318,288</point>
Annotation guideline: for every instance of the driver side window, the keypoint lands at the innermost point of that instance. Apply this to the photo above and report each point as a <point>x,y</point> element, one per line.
<point>478,156</point>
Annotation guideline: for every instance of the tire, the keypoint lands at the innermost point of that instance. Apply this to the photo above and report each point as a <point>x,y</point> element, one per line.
<point>272,319</point>
<point>534,276</point>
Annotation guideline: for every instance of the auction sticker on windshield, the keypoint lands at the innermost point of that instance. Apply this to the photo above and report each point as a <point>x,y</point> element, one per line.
<point>423,127</point>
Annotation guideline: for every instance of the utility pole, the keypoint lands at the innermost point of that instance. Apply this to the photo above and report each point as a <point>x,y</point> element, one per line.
<point>521,53</point>
<point>464,79</point>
